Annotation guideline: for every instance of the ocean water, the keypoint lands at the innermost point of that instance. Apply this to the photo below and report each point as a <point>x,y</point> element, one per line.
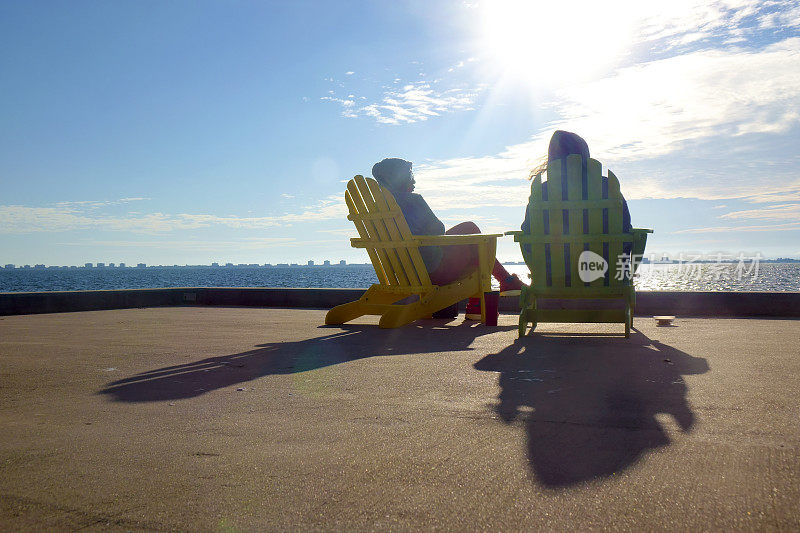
<point>657,277</point>
<point>80,279</point>
<point>750,276</point>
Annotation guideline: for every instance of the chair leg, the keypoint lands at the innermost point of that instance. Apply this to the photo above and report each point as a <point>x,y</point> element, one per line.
<point>345,313</point>
<point>523,312</point>
<point>633,306</point>
<point>363,306</point>
<point>400,315</point>
<point>628,320</point>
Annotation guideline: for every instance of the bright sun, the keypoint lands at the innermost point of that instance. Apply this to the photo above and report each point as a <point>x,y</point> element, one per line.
<point>567,39</point>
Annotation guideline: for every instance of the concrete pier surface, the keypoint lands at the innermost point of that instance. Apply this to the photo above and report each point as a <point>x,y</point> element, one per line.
<point>248,419</point>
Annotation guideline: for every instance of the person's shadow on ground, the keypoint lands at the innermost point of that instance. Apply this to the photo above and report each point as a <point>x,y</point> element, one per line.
<point>347,343</point>
<point>589,403</point>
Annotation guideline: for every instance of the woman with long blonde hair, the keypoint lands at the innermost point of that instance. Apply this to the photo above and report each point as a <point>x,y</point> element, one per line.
<point>562,144</point>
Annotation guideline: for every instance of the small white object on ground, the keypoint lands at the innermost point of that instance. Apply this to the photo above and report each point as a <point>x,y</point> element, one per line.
<point>664,320</point>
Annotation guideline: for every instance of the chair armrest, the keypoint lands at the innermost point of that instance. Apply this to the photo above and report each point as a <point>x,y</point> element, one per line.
<point>639,243</point>
<point>452,240</point>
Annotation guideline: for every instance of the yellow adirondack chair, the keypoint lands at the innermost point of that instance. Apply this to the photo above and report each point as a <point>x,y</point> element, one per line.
<point>578,219</point>
<point>394,252</point>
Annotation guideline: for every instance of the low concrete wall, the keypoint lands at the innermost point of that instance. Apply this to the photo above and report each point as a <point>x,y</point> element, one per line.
<point>771,304</point>
<point>775,304</point>
<point>23,303</point>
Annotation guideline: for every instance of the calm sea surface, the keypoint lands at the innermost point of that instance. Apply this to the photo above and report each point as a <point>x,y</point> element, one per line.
<point>667,277</point>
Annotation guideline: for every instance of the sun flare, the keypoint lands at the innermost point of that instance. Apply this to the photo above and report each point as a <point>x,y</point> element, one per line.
<point>565,39</point>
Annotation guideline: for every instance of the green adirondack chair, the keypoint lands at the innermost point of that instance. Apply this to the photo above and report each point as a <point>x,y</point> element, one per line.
<point>571,235</point>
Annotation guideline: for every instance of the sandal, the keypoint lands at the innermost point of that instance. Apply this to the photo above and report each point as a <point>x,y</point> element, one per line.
<point>473,309</point>
<point>511,283</point>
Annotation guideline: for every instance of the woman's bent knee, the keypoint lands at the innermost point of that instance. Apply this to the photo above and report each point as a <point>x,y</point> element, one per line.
<point>464,228</point>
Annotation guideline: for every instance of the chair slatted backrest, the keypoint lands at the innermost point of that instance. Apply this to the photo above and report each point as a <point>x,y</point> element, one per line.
<point>385,234</point>
<point>576,209</point>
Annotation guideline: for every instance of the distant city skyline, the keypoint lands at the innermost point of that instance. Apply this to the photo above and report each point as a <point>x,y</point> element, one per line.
<point>649,257</point>
<point>309,263</point>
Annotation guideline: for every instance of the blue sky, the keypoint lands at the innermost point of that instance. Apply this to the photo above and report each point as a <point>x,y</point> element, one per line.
<point>187,132</point>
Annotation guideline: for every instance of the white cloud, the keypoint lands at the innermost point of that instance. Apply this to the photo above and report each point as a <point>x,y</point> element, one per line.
<point>648,112</point>
<point>739,186</point>
<point>774,212</point>
<point>349,232</point>
<point>97,204</point>
<point>654,108</point>
<point>786,16</point>
<point>190,245</point>
<point>681,23</point>
<point>457,66</point>
<point>415,102</point>
<point>781,195</point>
<point>17,219</point>
<point>686,21</point>
<point>473,182</point>
<point>344,102</point>
<point>128,200</point>
<point>789,226</point>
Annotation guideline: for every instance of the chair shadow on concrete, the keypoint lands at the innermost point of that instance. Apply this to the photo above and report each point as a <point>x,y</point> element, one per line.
<point>589,403</point>
<point>346,343</point>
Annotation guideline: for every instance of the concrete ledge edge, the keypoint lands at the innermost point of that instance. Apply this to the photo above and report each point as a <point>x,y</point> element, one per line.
<point>716,304</point>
